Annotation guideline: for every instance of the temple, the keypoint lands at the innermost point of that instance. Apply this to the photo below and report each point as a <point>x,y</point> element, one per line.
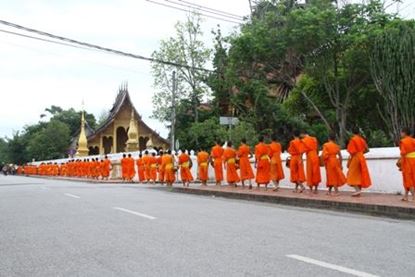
<point>122,131</point>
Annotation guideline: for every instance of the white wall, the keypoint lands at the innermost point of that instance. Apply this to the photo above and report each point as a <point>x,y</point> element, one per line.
<point>381,162</point>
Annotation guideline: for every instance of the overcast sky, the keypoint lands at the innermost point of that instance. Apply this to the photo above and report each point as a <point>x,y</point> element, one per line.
<point>35,75</point>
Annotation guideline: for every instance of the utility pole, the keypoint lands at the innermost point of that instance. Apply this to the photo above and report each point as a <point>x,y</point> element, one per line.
<point>173,114</point>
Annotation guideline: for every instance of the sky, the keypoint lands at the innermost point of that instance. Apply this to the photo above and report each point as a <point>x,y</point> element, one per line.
<point>35,75</point>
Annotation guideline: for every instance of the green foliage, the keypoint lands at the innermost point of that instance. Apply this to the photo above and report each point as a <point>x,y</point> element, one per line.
<point>71,118</point>
<point>44,140</point>
<point>16,149</point>
<point>187,48</point>
<point>243,130</point>
<point>3,151</point>
<point>393,71</point>
<point>51,142</point>
<point>203,134</point>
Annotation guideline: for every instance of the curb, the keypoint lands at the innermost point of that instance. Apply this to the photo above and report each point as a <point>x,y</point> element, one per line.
<point>359,208</point>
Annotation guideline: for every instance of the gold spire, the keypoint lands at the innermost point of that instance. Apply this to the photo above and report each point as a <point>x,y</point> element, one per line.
<point>82,150</point>
<point>132,142</point>
<point>149,143</point>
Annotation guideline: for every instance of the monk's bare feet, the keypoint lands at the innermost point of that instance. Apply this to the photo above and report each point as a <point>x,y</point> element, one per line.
<point>250,186</point>
<point>315,191</point>
<point>356,194</point>
<point>405,199</point>
<point>276,189</point>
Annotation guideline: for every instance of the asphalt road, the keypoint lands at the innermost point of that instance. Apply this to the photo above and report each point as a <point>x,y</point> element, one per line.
<point>61,228</point>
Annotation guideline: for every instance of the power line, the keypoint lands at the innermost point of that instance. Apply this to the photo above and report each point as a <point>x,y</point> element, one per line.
<point>94,46</point>
<point>211,9</point>
<point>202,9</point>
<point>185,10</point>
<point>43,39</point>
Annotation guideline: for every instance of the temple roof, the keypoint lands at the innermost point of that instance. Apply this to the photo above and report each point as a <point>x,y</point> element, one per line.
<point>122,99</point>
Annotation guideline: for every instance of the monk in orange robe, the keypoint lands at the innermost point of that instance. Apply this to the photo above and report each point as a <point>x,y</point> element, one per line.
<point>277,173</point>
<point>358,175</point>
<point>160,168</point>
<point>407,163</point>
<point>263,163</point>
<point>185,164</point>
<point>124,167</point>
<point>313,175</point>
<point>203,163</point>
<point>146,162</point>
<point>333,162</point>
<point>152,160</point>
<point>216,160</point>
<point>106,168</point>
<point>229,159</point>
<point>296,151</point>
<point>141,168</point>
<point>245,168</point>
<point>169,170</point>
<point>130,168</point>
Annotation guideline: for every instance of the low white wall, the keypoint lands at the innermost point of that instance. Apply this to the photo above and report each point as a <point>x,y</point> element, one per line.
<point>381,162</point>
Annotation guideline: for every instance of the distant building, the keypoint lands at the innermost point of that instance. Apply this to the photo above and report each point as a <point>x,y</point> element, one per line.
<point>122,131</point>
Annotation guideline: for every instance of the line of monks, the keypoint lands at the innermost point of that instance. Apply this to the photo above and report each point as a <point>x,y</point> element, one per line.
<point>303,148</point>
<point>83,168</point>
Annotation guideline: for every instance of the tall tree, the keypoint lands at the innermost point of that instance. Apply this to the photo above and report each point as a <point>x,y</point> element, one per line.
<point>186,48</point>
<point>334,42</point>
<point>393,71</point>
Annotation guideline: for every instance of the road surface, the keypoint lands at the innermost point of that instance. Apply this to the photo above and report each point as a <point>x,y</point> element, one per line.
<point>64,228</point>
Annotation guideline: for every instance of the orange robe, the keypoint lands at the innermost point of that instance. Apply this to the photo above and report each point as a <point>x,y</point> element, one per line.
<point>203,162</point>
<point>407,148</point>
<point>296,149</point>
<point>106,168</point>
<point>216,154</point>
<point>124,168</point>
<point>152,161</point>
<point>229,156</point>
<point>277,173</point>
<point>141,170</point>
<point>334,173</point>
<point>147,170</point>
<point>263,174</point>
<point>313,175</point>
<point>184,163</point>
<point>169,173</point>
<point>130,168</point>
<point>358,174</point>
<point>160,169</point>
<point>245,168</point>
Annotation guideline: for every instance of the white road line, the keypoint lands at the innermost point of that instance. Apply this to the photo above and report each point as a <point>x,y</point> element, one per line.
<point>331,266</point>
<point>72,195</point>
<point>134,213</point>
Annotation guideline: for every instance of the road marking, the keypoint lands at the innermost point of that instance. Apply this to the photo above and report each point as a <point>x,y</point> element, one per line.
<point>72,195</point>
<point>134,213</point>
<point>331,266</point>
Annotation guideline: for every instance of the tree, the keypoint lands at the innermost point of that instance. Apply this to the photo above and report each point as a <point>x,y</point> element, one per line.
<point>50,142</point>
<point>71,118</point>
<point>16,149</point>
<point>393,73</point>
<point>3,151</point>
<point>185,48</point>
<point>334,42</point>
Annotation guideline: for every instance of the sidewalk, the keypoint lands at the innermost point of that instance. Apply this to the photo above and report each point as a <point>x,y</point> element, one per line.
<point>376,204</point>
